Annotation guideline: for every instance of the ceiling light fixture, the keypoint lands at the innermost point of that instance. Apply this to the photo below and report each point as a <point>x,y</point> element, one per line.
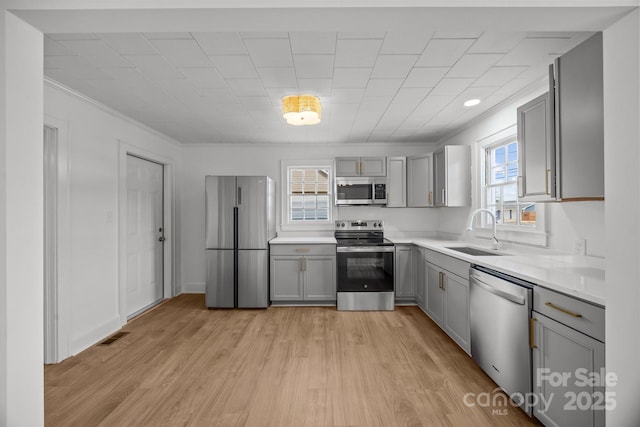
<point>301,110</point>
<point>471,102</point>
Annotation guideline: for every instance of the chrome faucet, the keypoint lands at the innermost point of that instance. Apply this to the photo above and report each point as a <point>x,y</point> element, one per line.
<point>496,242</point>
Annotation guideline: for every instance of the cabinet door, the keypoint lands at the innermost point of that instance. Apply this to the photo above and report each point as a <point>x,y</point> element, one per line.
<point>373,166</point>
<point>286,278</point>
<point>419,180</point>
<point>319,278</point>
<point>435,294</point>
<point>421,278</point>
<point>347,166</point>
<point>536,150</point>
<point>439,178</point>
<point>396,182</point>
<point>456,310</point>
<point>561,350</point>
<point>580,127</point>
<point>404,272</point>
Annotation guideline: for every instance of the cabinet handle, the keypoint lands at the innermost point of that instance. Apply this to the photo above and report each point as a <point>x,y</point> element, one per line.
<point>443,201</point>
<point>430,197</point>
<point>564,310</point>
<point>303,250</point>
<point>300,264</point>
<point>239,195</point>
<point>532,337</point>
<point>443,280</point>
<point>546,181</point>
<point>361,168</point>
<point>358,168</point>
<point>304,264</point>
<point>520,187</point>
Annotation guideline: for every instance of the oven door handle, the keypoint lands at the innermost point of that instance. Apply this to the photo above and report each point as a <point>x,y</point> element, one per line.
<point>365,249</point>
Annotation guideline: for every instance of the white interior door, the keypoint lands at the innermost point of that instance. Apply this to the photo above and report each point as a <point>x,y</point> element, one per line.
<point>144,234</point>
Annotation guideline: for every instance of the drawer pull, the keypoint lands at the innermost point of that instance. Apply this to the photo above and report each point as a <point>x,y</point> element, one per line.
<point>532,328</point>
<point>564,310</point>
<point>303,250</point>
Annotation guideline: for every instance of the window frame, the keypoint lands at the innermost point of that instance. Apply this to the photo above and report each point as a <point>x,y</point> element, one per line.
<point>534,235</point>
<point>286,223</point>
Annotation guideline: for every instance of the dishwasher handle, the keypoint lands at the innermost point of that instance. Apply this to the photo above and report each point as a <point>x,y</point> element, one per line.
<point>518,299</point>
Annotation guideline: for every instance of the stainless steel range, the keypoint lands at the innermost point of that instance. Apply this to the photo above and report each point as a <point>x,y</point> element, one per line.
<point>365,266</point>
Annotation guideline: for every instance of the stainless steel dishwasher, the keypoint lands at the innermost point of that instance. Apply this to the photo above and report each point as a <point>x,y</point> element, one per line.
<point>500,318</point>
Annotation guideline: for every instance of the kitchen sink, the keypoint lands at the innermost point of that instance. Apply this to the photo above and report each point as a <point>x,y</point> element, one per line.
<point>474,251</point>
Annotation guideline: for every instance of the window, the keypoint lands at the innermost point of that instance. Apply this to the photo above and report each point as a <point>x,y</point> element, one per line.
<point>308,194</point>
<point>501,186</point>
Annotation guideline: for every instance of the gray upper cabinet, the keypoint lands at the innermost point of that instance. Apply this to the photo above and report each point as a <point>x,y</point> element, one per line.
<point>580,121</point>
<point>419,181</point>
<point>361,166</point>
<point>452,176</point>
<point>561,134</point>
<point>396,182</point>
<point>536,148</point>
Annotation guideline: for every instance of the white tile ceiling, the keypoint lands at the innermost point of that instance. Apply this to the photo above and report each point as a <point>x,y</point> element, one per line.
<point>227,87</point>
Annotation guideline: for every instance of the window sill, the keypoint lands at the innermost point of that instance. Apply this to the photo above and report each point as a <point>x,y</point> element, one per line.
<point>524,237</point>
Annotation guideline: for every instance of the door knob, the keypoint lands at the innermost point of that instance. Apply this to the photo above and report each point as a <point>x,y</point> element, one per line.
<point>161,239</point>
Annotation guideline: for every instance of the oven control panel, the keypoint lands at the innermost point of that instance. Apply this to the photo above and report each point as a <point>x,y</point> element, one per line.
<point>360,225</point>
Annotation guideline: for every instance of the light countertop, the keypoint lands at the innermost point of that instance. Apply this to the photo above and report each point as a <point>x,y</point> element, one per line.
<point>577,276</point>
<point>303,240</point>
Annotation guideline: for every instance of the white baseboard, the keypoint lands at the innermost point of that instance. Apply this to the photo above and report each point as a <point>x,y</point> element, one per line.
<point>94,336</point>
<point>193,288</point>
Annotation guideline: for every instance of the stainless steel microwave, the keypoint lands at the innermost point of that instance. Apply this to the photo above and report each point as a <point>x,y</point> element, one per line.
<point>354,191</point>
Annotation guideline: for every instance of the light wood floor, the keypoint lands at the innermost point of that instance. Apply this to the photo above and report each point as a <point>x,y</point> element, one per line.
<point>184,365</point>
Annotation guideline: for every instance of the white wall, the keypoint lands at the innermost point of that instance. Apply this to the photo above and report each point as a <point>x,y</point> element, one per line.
<point>622,176</point>
<point>565,222</point>
<point>254,159</point>
<point>21,215</point>
<point>94,135</point>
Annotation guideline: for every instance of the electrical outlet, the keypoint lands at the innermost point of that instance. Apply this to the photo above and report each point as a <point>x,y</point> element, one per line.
<point>580,246</point>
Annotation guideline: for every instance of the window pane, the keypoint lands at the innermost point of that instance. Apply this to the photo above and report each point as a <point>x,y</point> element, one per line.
<point>305,184</point>
<point>309,187</point>
<point>322,202</point>
<point>510,214</point>
<point>512,171</point>
<point>309,202</point>
<point>501,191</point>
<point>510,193</point>
<point>322,214</point>
<point>528,214</point>
<point>512,150</point>
<point>499,175</point>
<point>493,196</point>
<point>296,202</point>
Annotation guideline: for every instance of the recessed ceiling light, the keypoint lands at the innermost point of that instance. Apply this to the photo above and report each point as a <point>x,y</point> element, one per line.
<point>471,102</point>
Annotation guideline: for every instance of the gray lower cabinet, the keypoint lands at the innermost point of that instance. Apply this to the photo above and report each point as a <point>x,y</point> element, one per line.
<point>447,297</point>
<point>303,273</point>
<point>421,278</point>
<point>568,361</point>
<point>405,280</point>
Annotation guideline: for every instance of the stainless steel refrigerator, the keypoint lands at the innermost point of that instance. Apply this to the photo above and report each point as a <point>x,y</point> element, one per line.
<point>240,221</point>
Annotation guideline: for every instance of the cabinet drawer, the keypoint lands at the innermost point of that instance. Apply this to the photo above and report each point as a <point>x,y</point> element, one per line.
<point>297,249</point>
<point>453,265</point>
<point>582,316</point>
